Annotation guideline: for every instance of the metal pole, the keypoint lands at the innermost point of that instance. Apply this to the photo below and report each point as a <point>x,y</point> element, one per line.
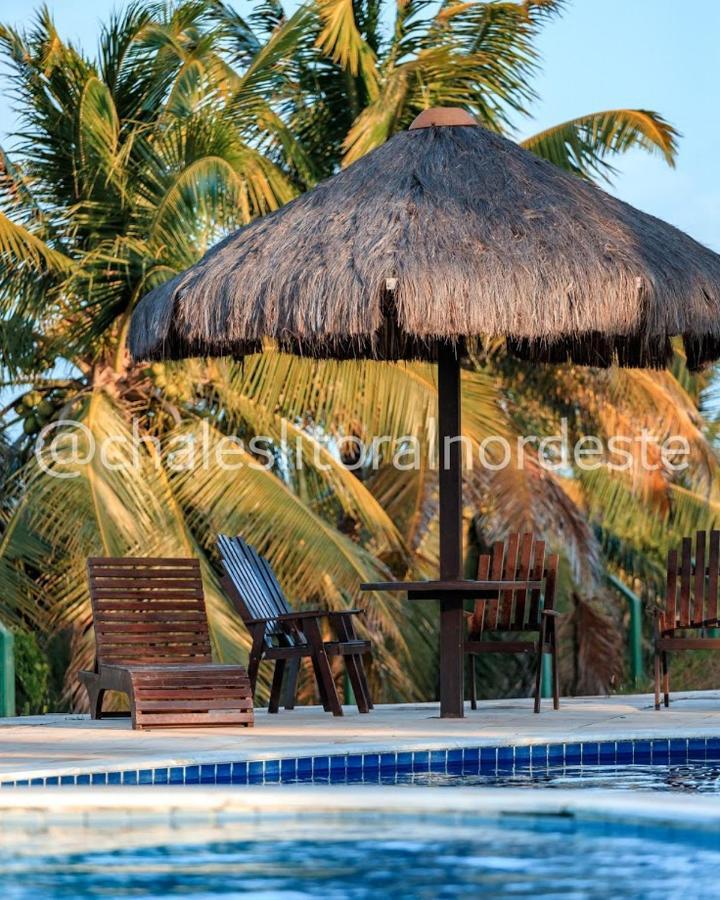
<point>636,655</point>
<point>7,672</point>
<point>451,559</point>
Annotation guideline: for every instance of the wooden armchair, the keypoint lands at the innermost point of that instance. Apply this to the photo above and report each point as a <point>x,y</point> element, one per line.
<point>516,610</point>
<point>286,636</point>
<point>691,606</point>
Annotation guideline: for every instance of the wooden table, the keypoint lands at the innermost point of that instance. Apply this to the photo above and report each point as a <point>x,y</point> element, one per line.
<point>451,595</point>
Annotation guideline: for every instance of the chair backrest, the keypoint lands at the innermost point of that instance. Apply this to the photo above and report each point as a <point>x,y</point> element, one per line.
<point>255,583</point>
<point>521,559</point>
<point>691,594</point>
<point>148,611</point>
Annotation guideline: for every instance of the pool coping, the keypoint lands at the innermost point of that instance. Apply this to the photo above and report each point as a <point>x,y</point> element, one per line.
<point>85,807</point>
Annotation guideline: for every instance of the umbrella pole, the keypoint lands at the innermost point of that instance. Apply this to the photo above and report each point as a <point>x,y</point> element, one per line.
<point>452,625</point>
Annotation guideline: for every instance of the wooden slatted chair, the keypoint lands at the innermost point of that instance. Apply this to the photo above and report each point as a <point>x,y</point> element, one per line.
<point>518,610</point>
<point>153,644</point>
<point>284,635</point>
<point>691,605</point>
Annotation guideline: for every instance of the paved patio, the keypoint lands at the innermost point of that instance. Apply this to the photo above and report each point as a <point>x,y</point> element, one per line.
<point>71,744</point>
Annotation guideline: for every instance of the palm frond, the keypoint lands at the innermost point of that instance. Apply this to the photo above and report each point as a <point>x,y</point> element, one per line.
<point>583,145</point>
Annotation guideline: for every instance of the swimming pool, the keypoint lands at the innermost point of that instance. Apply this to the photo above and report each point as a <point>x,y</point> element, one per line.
<point>376,855</point>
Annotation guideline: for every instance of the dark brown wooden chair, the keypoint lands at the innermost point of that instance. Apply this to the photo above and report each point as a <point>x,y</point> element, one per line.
<point>286,636</point>
<point>691,605</point>
<point>518,610</point>
<point>153,644</point>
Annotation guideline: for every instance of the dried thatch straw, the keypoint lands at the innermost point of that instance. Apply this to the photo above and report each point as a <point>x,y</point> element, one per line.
<point>479,237</point>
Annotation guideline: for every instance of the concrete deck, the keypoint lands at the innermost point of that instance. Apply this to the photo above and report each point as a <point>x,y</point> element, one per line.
<point>68,744</point>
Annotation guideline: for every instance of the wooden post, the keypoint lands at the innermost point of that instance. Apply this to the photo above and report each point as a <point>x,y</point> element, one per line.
<point>451,557</point>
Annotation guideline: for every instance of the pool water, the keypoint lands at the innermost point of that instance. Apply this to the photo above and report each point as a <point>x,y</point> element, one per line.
<point>383,857</point>
<point>688,778</point>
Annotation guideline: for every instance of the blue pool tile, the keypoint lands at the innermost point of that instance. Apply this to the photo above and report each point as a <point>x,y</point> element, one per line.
<point>354,761</point>
<point>679,750</point>
<point>272,771</point>
<point>161,776</point>
<point>305,765</point>
<point>239,774</point>
<point>145,776</point>
<point>23,782</point>
<point>67,779</point>
<point>455,757</point>
<point>573,754</point>
<point>522,756</point>
<point>130,777</point>
<point>590,753</point>
<point>37,782</point>
<point>321,766</point>
<point>607,752</point>
<point>114,777</point>
<point>207,774</point>
<point>642,751</point>
<point>371,762</point>
<point>404,760</point>
<point>697,749</point>
<point>371,776</point>
<point>51,781</point>
<point>223,773</point>
<point>98,778</point>
<point>660,751</point>
<point>255,772</point>
<point>177,775</point>
<point>438,760</point>
<point>505,757</point>
<point>712,748</point>
<point>421,761</point>
<point>624,751</point>
<point>192,774</point>
<point>83,779</point>
<point>539,755</point>
<point>486,762</point>
<point>391,760</point>
<point>556,754</point>
<point>354,776</point>
<point>288,769</point>
<point>338,769</point>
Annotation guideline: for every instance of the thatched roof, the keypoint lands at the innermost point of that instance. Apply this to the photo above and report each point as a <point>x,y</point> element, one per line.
<point>445,232</point>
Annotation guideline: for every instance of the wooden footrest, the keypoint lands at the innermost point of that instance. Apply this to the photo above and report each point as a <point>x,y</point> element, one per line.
<point>202,696</point>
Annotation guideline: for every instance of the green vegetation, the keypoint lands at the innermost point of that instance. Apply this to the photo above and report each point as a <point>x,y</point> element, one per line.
<point>191,120</point>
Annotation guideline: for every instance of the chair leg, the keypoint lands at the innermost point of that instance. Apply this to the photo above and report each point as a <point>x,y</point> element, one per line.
<point>666,678</point>
<point>353,664</point>
<point>293,670</point>
<point>538,667</point>
<point>276,688</point>
<point>657,679</point>
<point>473,682</point>
<point>555,669</point>
<point>96,696</point>
<point>323,672</point>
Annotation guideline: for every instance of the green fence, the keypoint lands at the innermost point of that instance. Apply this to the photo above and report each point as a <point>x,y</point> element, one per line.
<point>7,672</point>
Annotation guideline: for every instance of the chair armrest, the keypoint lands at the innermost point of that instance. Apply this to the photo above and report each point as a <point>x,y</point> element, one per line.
<point>288,617</point>
<point>552,612</point>
<point>333,614</point>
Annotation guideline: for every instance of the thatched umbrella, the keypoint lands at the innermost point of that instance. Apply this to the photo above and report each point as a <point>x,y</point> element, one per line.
<point>446,234</point>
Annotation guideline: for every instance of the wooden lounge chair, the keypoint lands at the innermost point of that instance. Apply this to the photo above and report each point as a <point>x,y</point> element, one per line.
<point>691,605</point>
<point>283,635</point>
<point>153,644</point>
<point>517,610</point>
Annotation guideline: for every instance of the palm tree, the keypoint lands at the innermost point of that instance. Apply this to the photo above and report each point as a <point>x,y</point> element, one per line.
<point>191,121</point>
